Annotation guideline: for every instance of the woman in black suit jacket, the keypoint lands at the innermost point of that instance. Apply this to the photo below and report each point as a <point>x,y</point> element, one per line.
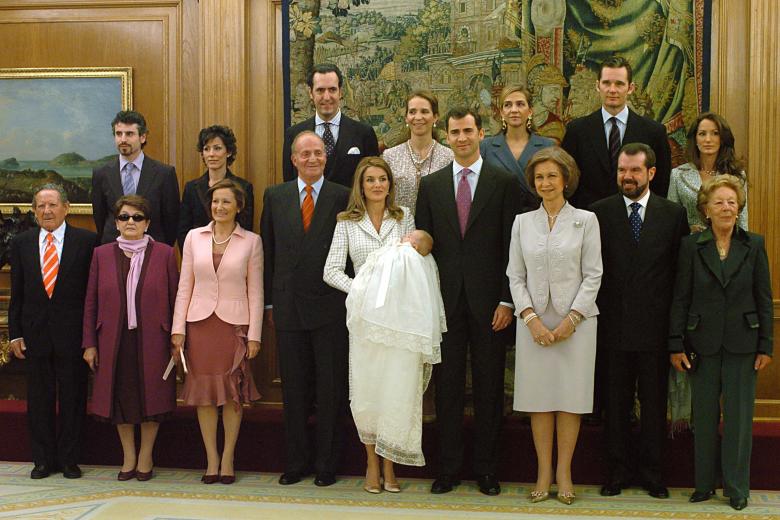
<point>722,312</point>
<point>217,147</point>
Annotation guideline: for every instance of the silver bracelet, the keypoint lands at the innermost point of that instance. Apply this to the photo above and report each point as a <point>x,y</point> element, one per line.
<point>529,317</point>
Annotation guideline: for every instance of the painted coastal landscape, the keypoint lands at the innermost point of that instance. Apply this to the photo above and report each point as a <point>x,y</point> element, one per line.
<point>55,130</point>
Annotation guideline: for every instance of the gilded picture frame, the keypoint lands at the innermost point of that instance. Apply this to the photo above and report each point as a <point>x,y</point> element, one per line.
<point>56,126</point>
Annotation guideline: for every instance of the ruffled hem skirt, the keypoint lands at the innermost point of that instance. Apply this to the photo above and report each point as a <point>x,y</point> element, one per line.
<point>218,369</point>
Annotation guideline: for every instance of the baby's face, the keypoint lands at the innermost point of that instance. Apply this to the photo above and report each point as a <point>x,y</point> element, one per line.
<point>418,242</point>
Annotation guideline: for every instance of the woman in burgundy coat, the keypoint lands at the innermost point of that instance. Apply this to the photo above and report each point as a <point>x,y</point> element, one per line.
<point>127,326</point>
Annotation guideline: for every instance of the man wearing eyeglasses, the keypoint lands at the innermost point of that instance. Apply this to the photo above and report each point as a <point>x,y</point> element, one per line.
<point>135,173</point>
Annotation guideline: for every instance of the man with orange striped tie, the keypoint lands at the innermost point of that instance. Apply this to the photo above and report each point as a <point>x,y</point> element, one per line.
<point>49,271</point>
<point>309,317</point>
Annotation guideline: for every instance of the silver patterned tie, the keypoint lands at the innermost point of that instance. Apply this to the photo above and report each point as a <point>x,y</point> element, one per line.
<point>128,182</point>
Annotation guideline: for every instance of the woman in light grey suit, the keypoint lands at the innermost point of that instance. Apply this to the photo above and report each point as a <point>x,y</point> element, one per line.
<point>554,274</point>
<point>517,143</point>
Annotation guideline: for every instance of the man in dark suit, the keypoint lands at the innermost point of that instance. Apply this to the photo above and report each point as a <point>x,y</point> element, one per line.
<point>640,239</point>
<point>309,316</point>
<point>134,173</point>
<point>346,141</point>
<point>468,208</point>
<point>594,140</point>
<point>49,271</point>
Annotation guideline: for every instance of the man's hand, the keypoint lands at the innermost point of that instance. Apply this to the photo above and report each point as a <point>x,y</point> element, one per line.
<point>18,347</point>
<point>91,357</point>
<point>762,360</point>
<point>680,361</point>
<point>502,317</point>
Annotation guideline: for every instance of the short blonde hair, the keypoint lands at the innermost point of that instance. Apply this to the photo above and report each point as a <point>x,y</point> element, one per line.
<point>709,186</point>
<point>564,161</point>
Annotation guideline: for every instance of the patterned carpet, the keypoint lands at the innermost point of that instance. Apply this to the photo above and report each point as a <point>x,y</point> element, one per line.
<point>178,494</point>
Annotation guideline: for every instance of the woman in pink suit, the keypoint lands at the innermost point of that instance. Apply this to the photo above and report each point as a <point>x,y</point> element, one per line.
<point>219,307</point>
<point>127,322</point>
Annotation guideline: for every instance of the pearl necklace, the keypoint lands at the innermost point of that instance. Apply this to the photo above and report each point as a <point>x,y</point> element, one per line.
<point>214,239</point>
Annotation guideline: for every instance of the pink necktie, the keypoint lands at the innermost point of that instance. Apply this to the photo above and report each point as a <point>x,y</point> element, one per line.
<point>463,200</point>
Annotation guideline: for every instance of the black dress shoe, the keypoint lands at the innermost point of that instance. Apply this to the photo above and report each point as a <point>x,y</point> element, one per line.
<point>291,477</point>
<point>701,496</point>
<point>324,479</point>
<point>443,484</point>
<point>656,490</point>
<point>611,489</point>
<point>71,471</point>
<point>40,471</point>
<point>488,484</point>
<point>738,503</point>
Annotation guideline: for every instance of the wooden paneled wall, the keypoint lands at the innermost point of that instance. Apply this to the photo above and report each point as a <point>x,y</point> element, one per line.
<point>220,61</point>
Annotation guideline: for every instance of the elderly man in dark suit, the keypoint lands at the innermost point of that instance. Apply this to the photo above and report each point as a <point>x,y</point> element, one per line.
<point>49,272</point>
<point>346,141</point>
<point>309,316</point>
<point>640,238</point>
<point>135,173</point>
<point>468,208</point>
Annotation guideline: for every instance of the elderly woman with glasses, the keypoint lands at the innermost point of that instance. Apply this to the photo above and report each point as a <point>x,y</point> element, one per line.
<point>127,321</point>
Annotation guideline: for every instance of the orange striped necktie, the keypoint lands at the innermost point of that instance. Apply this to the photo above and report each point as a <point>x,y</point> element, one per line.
<point>51,265</point>
<point>307,208</point>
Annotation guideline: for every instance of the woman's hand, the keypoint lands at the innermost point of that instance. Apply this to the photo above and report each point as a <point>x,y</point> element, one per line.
<point>564,329</point>
<point>252,349</point>
<point>91,357</point>
<point>680,361</point>
<point>540,333</point>
<point>177,347</point>
<point>762,360</point>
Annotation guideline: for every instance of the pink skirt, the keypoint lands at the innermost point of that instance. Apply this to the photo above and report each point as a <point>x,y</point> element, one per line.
<point>217,364</point>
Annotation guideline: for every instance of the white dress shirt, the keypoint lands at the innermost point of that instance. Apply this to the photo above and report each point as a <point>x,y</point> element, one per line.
<point>335,123</point>
<point>314,193</point>
<point>59,239</point>
<point>475,168</point>
<point>622,119</point>
<point>642,202</point>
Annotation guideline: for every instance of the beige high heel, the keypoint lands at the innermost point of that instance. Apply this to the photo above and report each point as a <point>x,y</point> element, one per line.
<point>374,490</point>
<point>538,496</point>
<point>391,487</point>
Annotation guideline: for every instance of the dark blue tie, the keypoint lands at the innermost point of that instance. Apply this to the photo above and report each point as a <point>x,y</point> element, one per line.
<point>635,221</point>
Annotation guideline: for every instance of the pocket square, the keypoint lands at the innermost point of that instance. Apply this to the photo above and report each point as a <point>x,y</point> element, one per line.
<point>354,151</point>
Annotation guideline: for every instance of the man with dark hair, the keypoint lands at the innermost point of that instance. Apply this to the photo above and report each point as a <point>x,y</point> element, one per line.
<point>640,238</point>
<point>133,173</point>
<point>308,315</point>
<point>49,272</point>
<point>346,140</point>
<point>594,140</point>
<point>468,208</point>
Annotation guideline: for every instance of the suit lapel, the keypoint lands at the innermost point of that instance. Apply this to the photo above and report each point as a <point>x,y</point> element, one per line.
<point>146,179</point>
<point>368,227</point>
<point>485,187</point>
<point>34,252</point>
<point>69,251</point>
<point>115,179</point>
<point>445,190</point>
<point>504,154</point>
<point>650,223</point>
<point>709,255</point>
<point>633,133</point>
<point>201,187</point>
<point>598,140</point>
<point>738,252</point>
<point>341,145</point>
<point>293,212</point>
<point>322,207</point>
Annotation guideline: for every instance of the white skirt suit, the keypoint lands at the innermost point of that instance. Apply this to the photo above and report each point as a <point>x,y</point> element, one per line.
<point>554,272</point>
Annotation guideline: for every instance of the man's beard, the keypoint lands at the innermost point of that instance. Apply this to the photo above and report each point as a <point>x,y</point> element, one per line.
<point>632,193</point>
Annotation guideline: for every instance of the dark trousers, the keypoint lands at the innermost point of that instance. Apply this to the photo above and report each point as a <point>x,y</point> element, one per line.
<point>733,377</point>
<point>313,365</point>
<point>53,380</point>
<point>488,356</point>
<point>627,460</point>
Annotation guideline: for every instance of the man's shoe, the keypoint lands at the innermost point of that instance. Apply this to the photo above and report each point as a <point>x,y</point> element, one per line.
<point>611,489</point>
<point>291,477</point>
<point>701,496</point>
<point>488,484</point>
<point>738,503</point>
<point>40,471</point>
<point>326,478</point>
<point>71,471</point>
<point>656,490</point>
<point>443,484</point>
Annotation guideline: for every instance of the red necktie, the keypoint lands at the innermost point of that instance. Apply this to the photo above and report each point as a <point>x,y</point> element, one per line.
<point>51,265</point>
<point>307,208</point>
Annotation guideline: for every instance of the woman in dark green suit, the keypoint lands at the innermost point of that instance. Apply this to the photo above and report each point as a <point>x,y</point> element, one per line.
<point>722,311</point>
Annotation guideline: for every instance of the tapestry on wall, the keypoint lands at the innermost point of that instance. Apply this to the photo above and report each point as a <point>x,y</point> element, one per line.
<point>466,51</point>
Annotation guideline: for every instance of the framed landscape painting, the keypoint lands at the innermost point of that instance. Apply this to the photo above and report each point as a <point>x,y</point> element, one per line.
<point>56,128</point>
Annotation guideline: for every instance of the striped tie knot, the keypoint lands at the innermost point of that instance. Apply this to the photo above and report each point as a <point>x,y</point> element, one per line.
<point>51,265</point>
<point>307,208</point>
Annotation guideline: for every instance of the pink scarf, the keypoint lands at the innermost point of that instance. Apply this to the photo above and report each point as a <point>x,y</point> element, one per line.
<point>138,249</point>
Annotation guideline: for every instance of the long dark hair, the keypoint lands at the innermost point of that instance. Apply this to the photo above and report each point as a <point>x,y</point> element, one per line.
<point>726,162</point>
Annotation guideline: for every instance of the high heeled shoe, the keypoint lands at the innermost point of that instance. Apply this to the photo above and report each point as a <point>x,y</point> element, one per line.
<point>567,497</point>
<point>210,479</point>
<point>538,496</point>
<point>374,490</point>
<point>391,487</point>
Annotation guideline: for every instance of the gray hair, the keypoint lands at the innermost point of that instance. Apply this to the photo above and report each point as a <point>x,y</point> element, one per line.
<point>51,186</point>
